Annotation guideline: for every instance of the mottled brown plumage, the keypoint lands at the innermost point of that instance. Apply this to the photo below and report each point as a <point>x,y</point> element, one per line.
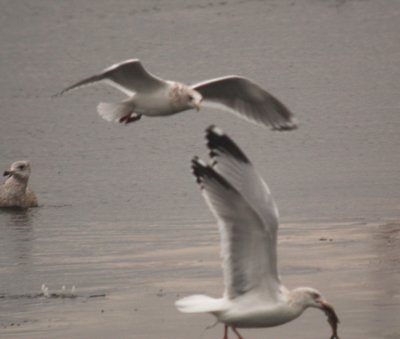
<point>15,191</point>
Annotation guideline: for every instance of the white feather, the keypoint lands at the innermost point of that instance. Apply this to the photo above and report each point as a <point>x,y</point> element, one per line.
<point>199,303</point>
<point>111,111</point>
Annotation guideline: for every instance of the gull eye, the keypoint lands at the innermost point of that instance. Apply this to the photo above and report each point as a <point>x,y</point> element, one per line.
<point>315,295</point>
<point>21,167</point>
<point>191,98</point>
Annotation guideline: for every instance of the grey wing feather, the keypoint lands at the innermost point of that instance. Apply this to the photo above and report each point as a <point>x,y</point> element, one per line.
<point>229,160</point>
<point>247,99</point>
<point>231,163</point>
<point>128,76</point>
<point>245,245</point>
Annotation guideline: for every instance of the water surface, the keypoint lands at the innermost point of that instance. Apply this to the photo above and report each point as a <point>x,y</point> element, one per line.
<point>121,218</point>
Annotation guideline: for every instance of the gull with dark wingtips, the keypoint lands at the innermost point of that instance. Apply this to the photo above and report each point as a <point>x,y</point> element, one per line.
<point>247,216</point>
<point>152,96</point>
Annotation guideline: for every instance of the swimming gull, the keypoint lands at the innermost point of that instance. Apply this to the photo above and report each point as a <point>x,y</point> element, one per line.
<point>15,191</point>
<point>248,223</point>
<point>152,96</point>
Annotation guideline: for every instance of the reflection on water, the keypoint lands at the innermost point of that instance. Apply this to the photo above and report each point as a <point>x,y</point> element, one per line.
<point>16,238</point>
<point>115,261</point>
<point>37,247</point>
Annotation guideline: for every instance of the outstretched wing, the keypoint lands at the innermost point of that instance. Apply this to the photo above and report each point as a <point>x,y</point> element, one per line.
<point>128,76</point>
<point>248,238</point>
<point>229,161</point>
<point>248,100</point>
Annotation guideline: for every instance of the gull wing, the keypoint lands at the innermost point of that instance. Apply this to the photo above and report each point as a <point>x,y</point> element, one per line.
<point>229,161</point>
<point>248,100</point>
<point>248,244</point>
<point>128,76</point>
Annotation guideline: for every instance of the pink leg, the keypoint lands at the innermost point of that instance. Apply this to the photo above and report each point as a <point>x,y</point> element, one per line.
<point>225,332</point>
<point>236,332</point>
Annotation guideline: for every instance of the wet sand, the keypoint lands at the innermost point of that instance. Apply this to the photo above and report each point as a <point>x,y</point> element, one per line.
<point>120,215</point>
<point>354,264</point>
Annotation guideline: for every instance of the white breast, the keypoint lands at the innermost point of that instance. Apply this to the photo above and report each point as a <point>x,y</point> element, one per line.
<point>165,101</point>
<point>253,313</point>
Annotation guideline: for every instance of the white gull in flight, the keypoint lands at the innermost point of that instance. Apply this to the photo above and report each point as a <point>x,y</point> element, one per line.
<point>152,96</point>
<point>254,296</point>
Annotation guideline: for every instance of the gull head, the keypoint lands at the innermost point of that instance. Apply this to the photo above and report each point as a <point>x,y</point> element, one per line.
<point>312,298</point>
<point>183,97</point>
<point>309,297</point>
<point>194,99</point>
<point>19,170</point>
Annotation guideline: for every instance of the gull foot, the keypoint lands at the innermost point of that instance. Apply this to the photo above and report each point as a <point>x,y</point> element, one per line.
<point>131,117</point>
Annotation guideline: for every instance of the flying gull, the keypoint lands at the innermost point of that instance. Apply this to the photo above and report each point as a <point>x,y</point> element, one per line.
<point>248,224</point>
<point>152,96</point>
<point>15,191</point>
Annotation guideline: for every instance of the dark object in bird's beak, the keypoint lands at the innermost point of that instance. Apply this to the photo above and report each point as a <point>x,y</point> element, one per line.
<point>6,173</point>
<point>333,319</point>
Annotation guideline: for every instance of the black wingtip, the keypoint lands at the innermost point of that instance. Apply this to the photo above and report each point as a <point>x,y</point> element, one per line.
<point>203,172</point>
<point>218,141</point>
<point>197,169</point>
<point>61,93</point>
<point>58,94</point>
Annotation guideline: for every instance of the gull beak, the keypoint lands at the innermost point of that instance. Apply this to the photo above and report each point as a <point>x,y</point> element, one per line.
<point>197,105</point>
<point>7,173</point>
<point>197,102</point>
<point>333,319</point>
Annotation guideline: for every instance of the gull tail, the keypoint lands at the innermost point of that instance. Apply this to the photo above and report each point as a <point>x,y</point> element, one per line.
<point>199,303</point>
<point>114,111</point>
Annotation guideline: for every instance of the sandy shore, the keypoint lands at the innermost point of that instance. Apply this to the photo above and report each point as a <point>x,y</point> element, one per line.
<point>354,264</point>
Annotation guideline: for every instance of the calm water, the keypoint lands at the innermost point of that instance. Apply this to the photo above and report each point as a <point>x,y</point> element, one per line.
<point>119,210</point>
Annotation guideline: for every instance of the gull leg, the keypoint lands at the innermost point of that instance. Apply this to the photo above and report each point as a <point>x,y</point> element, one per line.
<point>236,332</point>
<point>131,117</point>
<point>225,332</point>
